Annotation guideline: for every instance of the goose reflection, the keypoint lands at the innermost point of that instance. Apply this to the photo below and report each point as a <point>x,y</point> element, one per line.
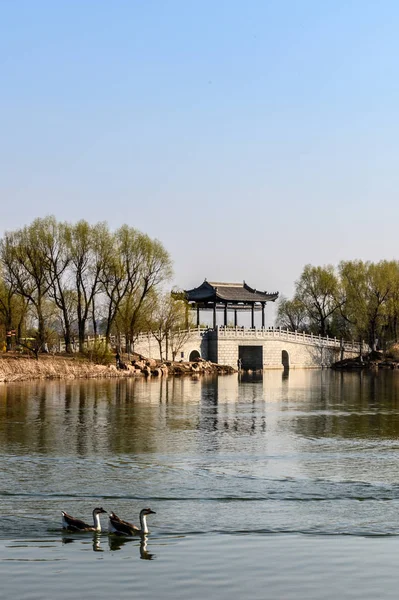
<point>96,542</point>
<point>144,554</point>
<point>116,542</point>
<point>66,540</point>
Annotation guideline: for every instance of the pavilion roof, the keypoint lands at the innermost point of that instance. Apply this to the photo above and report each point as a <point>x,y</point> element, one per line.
<point>212,291</point>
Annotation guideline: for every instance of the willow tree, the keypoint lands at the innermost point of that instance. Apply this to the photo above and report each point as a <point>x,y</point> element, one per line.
<point>134,269</point>
<point>131,328</point>
<point>120,272</point>
<point>369,291</point>
<point>88,248</point>
<point>155,270</point>
<point>317,291</point>
<point>167,323</point>
<point>12,311</point>
<point>391,325</point>
<point>56,246</point>
<point>25,268</point>
<point>292,314</point>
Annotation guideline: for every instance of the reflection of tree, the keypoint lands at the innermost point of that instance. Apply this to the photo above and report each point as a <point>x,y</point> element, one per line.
<point>86,418</point>
<point>354,405</point>
<point>209,404</point>
<point>127,416</point>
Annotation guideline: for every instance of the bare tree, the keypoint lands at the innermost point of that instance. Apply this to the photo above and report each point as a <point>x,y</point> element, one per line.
<point>135,268</point>
<point>25,267</point>
<point>86,247</point>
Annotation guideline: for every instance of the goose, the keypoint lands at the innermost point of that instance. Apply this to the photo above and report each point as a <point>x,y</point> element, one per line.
<point>116,525</point>
<point>73,524</point>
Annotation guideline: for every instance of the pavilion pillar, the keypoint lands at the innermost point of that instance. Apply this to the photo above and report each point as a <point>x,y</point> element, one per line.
<point>186,315</point>
<point>263,314</point>
<point>225,314</point>
<point>235,317</point>
<point>253,315</point>
<point>214,315</point>
<point>198,316</point>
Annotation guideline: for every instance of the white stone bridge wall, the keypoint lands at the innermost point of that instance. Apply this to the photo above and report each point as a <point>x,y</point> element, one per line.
<point>303,351</point>
<point>196,340</point>
<point>222,346</point>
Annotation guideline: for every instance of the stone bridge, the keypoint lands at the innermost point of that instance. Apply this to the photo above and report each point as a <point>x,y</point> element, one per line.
<point>256,348</point>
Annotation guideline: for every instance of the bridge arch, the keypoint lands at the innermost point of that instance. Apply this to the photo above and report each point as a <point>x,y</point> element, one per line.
<point>194,354</point>
<point>258,349</point>
<point>285,359</point>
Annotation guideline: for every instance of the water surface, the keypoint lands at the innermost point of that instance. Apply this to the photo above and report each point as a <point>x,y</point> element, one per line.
<point>276,487</point>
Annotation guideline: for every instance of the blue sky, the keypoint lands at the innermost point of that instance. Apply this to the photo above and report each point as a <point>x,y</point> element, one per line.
<point>251,137</point>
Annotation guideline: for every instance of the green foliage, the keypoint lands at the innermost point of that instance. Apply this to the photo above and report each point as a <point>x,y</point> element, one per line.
<point>392,352</point>
<point>99,353</point>
<point>77,275</point>
<point>168,321</point>
<point>292,314</point>
<point>317,291</point>
<point>360,300</point>
<point>371,292</point>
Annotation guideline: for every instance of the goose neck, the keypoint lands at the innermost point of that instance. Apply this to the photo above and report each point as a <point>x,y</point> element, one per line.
<point>97,522</point>
<point>143,524</point>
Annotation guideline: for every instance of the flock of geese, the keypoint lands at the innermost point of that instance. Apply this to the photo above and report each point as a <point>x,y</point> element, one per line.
<point>115,525</point>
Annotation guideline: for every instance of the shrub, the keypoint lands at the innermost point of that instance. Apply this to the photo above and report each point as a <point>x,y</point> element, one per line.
<point>99,353</point>
<point>393,352</point>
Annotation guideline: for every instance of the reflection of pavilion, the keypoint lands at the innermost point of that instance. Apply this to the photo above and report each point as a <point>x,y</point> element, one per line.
<point>235,297</point>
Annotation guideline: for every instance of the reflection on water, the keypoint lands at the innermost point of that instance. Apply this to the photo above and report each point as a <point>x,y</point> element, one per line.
<point>237,468</point>
<point>114,543</point>
<point>124,444</point>
<point>135,417</point>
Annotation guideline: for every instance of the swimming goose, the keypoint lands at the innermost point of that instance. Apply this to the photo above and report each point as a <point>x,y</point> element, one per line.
<point>116,525</point>
<point>73,524</point>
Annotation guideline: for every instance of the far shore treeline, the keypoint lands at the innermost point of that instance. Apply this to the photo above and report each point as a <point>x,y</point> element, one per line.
<point>356,300</point>
<point>67,281</point>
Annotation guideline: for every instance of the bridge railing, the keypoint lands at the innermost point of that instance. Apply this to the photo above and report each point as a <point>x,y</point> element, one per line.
<point>143,337</point>
<point>271,333</point>
<point>291,336</point>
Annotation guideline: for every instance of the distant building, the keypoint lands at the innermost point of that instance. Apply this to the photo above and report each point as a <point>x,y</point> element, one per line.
<point>235,297</point>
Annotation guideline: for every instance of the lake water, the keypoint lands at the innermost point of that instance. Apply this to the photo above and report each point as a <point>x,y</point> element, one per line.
<point>276,487</point>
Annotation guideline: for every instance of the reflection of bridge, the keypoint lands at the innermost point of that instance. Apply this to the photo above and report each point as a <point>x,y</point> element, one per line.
<point>256,348</point>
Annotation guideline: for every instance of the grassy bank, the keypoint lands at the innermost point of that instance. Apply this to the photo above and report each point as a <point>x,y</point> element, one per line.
<point>25,368</point>
<point>17,367</point>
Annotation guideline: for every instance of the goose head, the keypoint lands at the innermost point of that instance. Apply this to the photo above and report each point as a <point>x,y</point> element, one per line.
<point>98,511</point>
<point>147,511</point>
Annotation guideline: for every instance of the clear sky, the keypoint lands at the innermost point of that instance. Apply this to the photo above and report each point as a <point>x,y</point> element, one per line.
<point>251,137</point>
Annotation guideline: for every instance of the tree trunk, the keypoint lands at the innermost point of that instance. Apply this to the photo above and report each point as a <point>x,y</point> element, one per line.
<point>82,328</point>
<point>41,330</point>
<point>67,339</point>
<point>8,330</point>
<point>160,348</point>
<point>94,319</point>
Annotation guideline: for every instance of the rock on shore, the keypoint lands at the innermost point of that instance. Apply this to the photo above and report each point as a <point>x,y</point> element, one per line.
<point>373,360</point>
<point>158,368</point>
<point>14,367</point>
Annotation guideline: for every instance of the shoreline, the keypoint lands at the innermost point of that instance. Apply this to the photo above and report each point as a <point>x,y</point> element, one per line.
<point>373,361</point>
<point>17,368</point>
